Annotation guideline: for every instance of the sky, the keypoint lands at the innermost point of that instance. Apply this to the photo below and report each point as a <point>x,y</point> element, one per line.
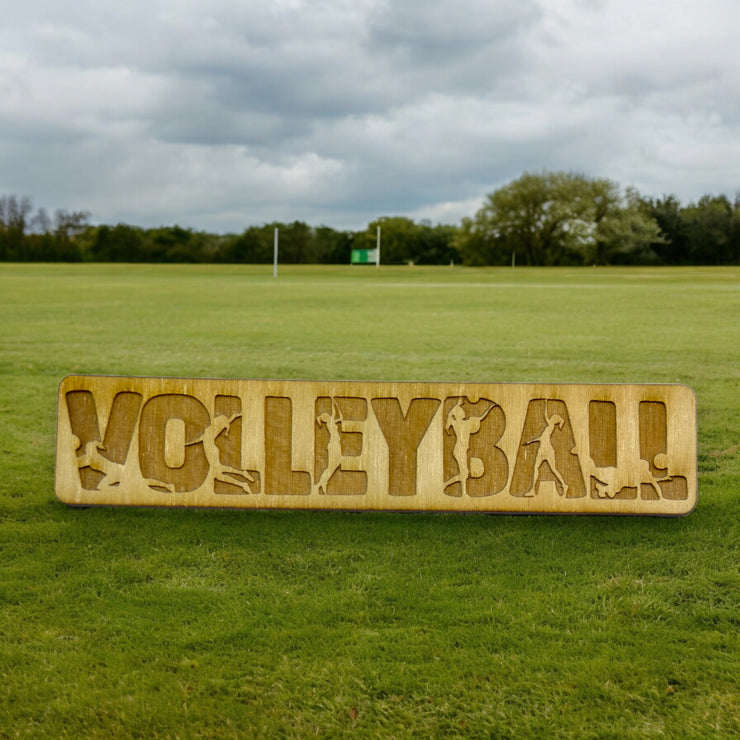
<point>220,114</point>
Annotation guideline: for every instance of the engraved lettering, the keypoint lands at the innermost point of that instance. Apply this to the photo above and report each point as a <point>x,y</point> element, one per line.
<point>101,464</point>
<point>403,435</point>
<point>338,446</point>
<point>473,464</point>
<point>226,459</point>
<point>157,412</point>
<point>565,448</point>
<point>656,482</point>
<point>280,478</point>
<point>547,452</point>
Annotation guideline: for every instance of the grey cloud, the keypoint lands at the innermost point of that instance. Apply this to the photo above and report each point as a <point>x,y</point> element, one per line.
<point>440,32</point>
<point>221,113</point>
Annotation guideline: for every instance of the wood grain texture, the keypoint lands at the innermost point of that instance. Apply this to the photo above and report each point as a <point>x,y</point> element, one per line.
<point>526,448</point>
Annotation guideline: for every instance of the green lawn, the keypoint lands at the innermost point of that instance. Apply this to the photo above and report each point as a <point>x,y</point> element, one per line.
<point>207,623</point>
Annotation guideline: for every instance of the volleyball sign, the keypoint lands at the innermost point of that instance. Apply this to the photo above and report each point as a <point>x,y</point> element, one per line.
<point>527,448</point>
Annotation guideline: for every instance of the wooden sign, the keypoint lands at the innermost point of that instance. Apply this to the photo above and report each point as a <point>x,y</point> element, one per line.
<point>528,448</point>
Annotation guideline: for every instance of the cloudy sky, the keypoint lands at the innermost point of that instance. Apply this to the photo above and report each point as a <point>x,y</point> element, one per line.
<point>218,114</point>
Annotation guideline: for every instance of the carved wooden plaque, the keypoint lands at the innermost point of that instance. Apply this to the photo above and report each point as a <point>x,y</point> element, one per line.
<point>527,448</point>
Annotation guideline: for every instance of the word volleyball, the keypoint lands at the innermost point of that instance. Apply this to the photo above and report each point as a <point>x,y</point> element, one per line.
<point>529,448</point>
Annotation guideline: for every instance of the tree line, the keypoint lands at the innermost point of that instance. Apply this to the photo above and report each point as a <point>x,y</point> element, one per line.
<point>547,218</point>
<point>28,236</point>
<point>560,218</point>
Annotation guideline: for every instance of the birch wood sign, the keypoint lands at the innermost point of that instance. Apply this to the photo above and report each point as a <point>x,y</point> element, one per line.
<point>527,448</point>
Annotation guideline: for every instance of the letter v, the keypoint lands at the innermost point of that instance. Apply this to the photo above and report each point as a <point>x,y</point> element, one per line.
<point>83,418</point>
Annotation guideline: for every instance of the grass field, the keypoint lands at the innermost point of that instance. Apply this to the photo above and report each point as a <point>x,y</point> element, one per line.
<point>205,623</point>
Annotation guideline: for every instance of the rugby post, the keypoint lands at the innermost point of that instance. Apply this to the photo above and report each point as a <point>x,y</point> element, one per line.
<point>275,254</point>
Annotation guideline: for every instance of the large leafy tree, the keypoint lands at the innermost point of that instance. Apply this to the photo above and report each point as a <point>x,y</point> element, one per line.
<point>536,218</point>
<point>705,232</point>
<point>711,225</point>
<point>553,218</point>
<point>623,233</point>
